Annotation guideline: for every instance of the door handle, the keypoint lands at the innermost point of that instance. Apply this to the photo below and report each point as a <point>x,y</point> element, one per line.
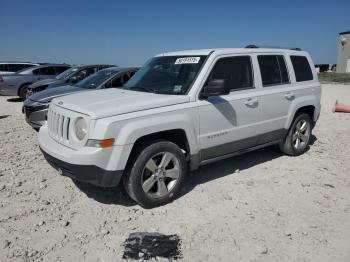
<point>251,101</point>
<point>289,95</point>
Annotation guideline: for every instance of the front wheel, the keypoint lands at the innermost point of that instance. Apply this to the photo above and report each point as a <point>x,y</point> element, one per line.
<point>298,137</point>
<point>156,174</point>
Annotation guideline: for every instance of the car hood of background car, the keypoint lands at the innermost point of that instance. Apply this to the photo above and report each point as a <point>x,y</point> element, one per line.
<point>110,102</point>
<point>47,95</point>
<point>44,82</point>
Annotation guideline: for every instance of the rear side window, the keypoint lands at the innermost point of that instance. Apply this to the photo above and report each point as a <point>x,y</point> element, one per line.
<point>302,68</point>
<point>3,68</point>
<point>60,69</point>
<point>36,71</point>
<point>236,70</point>
<point>273,70</point>
<point>15,67</point>
<point>47,70</point>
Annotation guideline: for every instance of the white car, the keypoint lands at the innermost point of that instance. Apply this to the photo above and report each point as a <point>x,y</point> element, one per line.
<point>182,110</point>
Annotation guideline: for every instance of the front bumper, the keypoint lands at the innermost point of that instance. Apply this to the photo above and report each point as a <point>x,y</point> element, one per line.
<point>35,118</point>
<point>85,173</point>
<point>87,164</point>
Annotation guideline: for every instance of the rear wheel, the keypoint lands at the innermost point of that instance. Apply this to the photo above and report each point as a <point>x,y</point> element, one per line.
<point>156,174</point>
<point>298,137</point>
<point>23,92</point>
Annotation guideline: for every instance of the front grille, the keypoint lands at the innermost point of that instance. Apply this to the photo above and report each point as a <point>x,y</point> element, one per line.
<point>58,125</point>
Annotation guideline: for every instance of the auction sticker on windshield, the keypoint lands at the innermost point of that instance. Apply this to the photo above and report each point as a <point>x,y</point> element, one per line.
<point>187,60</point>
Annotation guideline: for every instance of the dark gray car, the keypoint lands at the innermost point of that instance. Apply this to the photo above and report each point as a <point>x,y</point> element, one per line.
<point>35,107</point>
<point>17,84</point>
<point>68,77</point>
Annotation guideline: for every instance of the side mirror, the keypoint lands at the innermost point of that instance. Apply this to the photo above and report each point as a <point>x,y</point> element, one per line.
<point>73,80</point>
<point>215,87</point>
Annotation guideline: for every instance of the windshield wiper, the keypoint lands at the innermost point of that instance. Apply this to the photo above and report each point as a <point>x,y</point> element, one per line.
<point>142,88</point>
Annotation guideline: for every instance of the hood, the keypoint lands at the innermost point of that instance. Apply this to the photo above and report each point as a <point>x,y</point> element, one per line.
<point>47,95</point>
<point>110,102</point>
<point>45,82</point>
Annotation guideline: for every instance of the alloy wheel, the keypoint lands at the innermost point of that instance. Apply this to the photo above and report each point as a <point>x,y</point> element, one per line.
<point>160,174</point>
<point>301,134</point>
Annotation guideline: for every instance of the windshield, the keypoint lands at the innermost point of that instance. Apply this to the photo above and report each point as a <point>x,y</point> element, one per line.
<point>66,73</point>
<point>166,75</point>
<point>94,80</point>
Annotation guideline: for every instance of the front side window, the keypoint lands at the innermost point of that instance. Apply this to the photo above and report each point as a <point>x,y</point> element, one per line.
<point>273,70</point>
<point>167,75</point>
<point>66,73</point>
<point>83,73</point>
<point>3,68</point>
<point>236,70</point>
<point>95,80</point>
<point>302,68</point>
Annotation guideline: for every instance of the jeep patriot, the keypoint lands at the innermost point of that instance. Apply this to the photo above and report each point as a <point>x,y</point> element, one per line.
<point>182,110</point>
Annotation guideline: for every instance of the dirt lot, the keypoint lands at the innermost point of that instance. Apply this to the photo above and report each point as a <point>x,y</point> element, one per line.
<point>262,206</point>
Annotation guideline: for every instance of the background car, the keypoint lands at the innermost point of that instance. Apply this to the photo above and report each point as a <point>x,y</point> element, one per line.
<point>35,107</point>
<point>68,77</point>
<point>17,84</point>
<point>13,67</point>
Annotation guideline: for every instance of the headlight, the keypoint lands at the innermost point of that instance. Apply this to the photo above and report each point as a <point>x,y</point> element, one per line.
<point>80,128</point>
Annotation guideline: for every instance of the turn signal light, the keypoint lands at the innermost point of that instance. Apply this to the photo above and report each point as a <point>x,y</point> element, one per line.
<point>107,143</point>
<point>100,143</point>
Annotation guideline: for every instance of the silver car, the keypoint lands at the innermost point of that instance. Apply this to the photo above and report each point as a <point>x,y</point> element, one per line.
<point>35,107</point>
<point>13,67</point>
<point>17,84</point>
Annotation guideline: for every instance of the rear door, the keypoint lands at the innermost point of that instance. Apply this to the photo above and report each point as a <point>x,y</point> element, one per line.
<point>230,122</point>
<point>277,95</point>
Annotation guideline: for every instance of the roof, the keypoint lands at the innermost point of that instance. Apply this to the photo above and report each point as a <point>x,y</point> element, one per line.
<point>205,52</point>
<point>121,69</point>
<point>14,62</point>
<point>94,65</point>
<point>345,33</point>
<point>47,65</point>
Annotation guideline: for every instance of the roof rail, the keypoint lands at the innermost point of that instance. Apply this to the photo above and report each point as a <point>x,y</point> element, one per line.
<point>277,47</point>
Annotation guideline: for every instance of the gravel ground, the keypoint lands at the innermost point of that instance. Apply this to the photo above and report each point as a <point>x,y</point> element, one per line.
<point>261,206</point>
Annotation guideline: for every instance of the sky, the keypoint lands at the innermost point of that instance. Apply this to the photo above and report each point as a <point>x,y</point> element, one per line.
<point>128,33</point>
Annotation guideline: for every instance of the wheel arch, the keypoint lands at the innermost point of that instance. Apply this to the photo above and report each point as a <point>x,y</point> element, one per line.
<point>177,136</point>
<point>21,86</point>
<point>307,105</point>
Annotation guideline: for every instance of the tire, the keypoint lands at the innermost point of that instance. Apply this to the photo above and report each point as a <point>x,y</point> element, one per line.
<point>297,140</point>
<point>166,166</point>
<point>23,92</point>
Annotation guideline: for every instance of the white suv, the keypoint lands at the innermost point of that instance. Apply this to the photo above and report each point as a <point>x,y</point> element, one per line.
<point>182,110</point>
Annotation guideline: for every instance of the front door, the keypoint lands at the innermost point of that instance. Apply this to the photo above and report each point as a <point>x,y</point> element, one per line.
<point>230,122</point>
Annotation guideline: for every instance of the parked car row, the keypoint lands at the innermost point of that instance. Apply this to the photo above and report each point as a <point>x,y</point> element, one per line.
<point>16,84</point>
<point>68,77</point>
<point>35,106</point>
<point>180,111</point>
